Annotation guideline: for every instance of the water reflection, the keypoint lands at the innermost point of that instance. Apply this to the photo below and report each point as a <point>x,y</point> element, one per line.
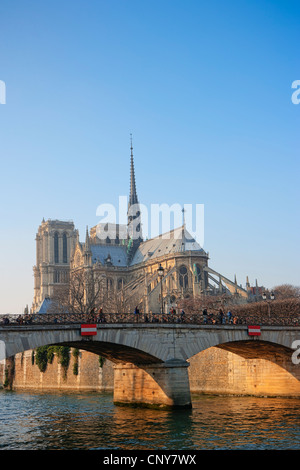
<point>91,421</point>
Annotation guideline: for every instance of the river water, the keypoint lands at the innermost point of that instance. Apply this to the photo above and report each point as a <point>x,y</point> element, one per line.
<point>81,420</point>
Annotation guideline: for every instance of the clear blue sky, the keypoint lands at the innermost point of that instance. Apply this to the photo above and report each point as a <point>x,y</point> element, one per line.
<point>205,89</point>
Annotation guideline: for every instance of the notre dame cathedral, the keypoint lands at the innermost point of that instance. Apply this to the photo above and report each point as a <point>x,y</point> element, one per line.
<point>126,264</point>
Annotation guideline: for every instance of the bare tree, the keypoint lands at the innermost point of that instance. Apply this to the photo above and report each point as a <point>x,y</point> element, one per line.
<point>87,291</point>
<point>286,291</point>
<point>81,294</point>
<point>212,303</point>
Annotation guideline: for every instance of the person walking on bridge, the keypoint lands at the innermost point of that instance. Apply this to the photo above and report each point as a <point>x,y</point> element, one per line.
<point>229,317</point>
<point>221,316</point>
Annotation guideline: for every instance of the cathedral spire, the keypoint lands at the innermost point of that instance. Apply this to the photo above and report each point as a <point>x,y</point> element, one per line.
<point>87,240</point>
<point>133,199</point>
<point>134,231</point>
<point>87,249</point>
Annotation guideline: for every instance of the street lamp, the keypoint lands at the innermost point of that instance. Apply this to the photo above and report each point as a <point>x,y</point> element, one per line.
<point>160,273</point>
<point>272,297</point>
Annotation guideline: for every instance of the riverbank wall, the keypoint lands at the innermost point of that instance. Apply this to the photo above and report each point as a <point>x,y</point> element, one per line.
<point>85,371</point>
<point>213,371</point>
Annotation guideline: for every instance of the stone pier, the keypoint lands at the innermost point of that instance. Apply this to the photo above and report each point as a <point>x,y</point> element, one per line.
<point>163,386</point>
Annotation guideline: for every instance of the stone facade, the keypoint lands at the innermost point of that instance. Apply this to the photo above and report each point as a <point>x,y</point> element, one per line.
<point>55,244</point>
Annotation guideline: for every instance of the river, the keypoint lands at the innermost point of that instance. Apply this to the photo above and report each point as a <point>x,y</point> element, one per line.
<point>81,420</point>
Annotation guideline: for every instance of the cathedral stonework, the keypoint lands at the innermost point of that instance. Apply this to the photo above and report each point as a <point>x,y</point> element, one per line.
<point>55,244</point>
<point>127,265</point>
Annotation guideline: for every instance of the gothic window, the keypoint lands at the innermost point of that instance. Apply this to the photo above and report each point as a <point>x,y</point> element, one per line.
<point>183,277</point>
<point>197,273</point>
<point>109,284</point>
<point>120,284</point>
<point>56,247</point>
<point>60,277</point>
<point>56,276</point>
<point>107,240</point>
<point>65,252</point>
<point>64,277</point>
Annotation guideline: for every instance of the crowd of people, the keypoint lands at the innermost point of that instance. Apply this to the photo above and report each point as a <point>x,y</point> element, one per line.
<point>221,318</point>
<point>25,319</point>
<point>173,316</point>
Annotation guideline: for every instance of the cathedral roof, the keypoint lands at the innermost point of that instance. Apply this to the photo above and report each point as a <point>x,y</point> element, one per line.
<point>117,254</point>
<point>44,306</point>
<point>168,243</point>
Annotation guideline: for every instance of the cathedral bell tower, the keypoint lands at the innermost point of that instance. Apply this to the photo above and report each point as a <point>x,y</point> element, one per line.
<point>55,244</point>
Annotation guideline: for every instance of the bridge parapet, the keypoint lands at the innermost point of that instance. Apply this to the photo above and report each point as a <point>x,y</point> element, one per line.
<point>243,318</point>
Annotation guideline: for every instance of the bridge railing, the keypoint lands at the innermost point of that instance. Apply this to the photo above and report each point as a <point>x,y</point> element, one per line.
<point>126,318</point>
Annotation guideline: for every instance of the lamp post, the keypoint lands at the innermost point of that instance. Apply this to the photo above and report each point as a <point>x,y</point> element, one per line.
<point>272,297</point>
<point>160,273</point>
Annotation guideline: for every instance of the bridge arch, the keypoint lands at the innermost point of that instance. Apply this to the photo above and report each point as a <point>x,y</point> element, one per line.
<point>120,345</point>
<point>116,353</point>
<point>273,341</point>
<point>278,354</point>
<point>258,349</point>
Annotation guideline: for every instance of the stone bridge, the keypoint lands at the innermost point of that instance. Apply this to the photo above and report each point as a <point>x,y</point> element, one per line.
<point>150,359</point>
